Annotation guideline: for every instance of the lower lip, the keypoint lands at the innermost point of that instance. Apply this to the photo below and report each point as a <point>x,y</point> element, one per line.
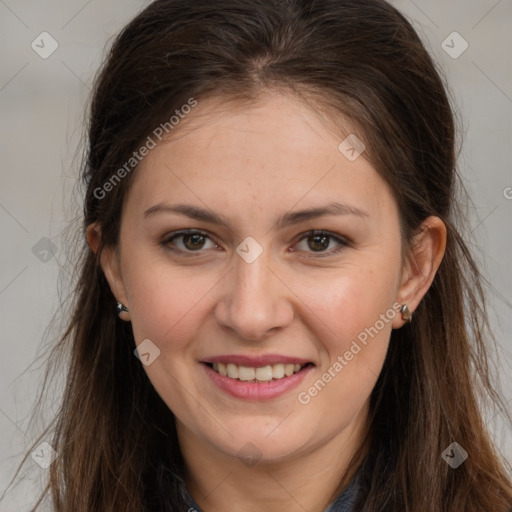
<point>256,390</point>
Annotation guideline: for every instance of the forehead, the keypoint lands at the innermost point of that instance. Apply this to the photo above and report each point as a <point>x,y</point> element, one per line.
<point>270,155</point>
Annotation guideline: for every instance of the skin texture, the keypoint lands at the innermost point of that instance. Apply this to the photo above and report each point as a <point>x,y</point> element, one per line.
<point>252,165</point>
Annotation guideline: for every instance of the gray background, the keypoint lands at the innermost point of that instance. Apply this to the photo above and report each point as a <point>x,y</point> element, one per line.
<point>42,105</point>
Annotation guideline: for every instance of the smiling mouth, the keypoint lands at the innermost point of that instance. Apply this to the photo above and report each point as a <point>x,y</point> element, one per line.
<point>266,373</point>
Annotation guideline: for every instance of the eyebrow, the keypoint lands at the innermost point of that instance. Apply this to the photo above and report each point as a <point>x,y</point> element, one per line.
<point>287,219</point>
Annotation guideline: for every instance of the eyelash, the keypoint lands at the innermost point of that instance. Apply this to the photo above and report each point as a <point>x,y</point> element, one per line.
<point>187,253</point>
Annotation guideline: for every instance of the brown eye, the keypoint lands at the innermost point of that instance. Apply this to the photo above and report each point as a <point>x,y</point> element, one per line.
<point>188,241</point>
<point>193,241</point>
<point>320,241</point>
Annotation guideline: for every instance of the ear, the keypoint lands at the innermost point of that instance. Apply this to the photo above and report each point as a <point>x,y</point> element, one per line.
<point>421,264</point>
<point>109,261</point>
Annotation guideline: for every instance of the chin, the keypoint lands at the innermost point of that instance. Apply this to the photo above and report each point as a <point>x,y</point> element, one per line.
<point>264,448</point>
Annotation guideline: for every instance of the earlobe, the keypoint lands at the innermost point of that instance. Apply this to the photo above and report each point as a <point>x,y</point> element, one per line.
<point>109,262</point>
<point>122,312</point>
<point>425,256</point>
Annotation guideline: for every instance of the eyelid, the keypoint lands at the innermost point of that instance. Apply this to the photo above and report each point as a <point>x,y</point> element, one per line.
<point>191,231</point>
<point>343,241</point>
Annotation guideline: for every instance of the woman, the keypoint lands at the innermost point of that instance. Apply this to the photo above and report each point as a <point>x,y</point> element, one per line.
<point>275,307</point>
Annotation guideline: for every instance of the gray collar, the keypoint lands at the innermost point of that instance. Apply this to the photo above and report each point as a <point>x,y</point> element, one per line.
<point>343,503</point>
<point>346,500</point>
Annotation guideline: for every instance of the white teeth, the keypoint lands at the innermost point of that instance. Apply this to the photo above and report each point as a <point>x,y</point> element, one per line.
<point>232,371</point>
<point>261,374</point>
<point>246,373</point>
<point>264,373</point>
<point>278,371</point>
<point>223,370</point>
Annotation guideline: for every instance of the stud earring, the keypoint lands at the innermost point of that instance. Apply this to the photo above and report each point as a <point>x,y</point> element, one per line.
<point>122,311</point>
<point>406,314</point>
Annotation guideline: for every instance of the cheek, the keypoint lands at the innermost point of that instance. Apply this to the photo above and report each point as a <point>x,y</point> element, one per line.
<point>353,314</point>
<point>352,362</point>
<point>170,305</point>
<point>351,301</point>
<point>166,306</point>
<point>169,309</point>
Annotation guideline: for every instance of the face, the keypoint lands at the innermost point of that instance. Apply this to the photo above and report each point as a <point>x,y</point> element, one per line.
<point>299,320</point>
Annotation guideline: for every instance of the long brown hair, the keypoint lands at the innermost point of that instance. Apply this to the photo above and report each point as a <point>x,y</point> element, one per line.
<point>353,59</point>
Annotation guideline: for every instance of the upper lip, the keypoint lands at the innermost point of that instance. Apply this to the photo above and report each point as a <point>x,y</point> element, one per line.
<point>255,361</point>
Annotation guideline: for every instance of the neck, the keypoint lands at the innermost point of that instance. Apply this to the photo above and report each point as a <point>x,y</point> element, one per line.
<point>308,481</point>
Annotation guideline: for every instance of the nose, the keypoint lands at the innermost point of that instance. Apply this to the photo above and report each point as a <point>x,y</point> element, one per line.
<point>256,302</point>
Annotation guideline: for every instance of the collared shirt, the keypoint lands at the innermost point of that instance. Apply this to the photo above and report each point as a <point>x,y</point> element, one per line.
<point>343,503</point>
